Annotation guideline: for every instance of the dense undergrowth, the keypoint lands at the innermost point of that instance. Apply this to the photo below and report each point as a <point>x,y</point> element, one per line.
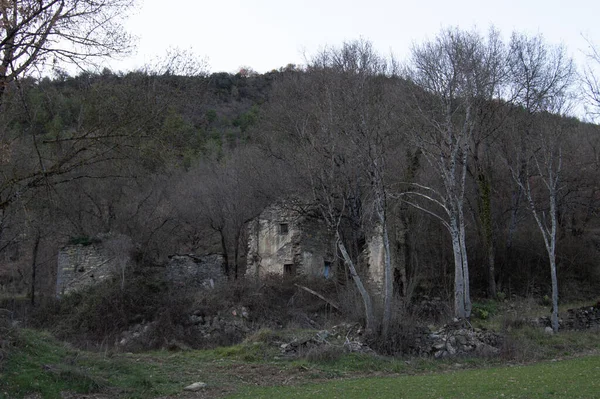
<point>96,318</point>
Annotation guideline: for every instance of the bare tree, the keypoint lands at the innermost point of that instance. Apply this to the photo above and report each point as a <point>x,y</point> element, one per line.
<point>454,75</point>
<point>225,194</point>
<point>540,80</point>
<point>591,80</point>
<point>37,33</point>
<point>332,124</point>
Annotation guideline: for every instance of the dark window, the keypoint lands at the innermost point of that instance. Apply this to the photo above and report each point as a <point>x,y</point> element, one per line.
<point>327,269</point>
<point>289,269</point>
<point>283,228</point>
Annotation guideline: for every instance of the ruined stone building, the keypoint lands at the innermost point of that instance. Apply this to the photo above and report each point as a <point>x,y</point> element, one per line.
<point>195,271</point>
<point>82,265</point>
<point>284,241</point>
<point>287,242</point>
<point>109,257</point>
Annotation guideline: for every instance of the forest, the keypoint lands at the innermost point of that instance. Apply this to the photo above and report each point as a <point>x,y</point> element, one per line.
<point>468,158</point>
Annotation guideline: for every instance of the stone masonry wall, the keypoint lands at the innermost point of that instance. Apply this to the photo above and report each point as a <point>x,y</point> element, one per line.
<point>280,242</point>
<point>80,266</point>
<point>193,271</point>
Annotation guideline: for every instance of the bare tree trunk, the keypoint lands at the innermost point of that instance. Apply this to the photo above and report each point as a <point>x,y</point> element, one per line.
<point>552,256</point>
<point>236,255</point>
<point>485,217</point>
<point>549,235</point>
<point>388,291</point>
<point>403,251</point>
<point>36,245</point>
<point>459,281</point>
<point>225,255</point>
<point>369,315</point>
<point>464,265</point>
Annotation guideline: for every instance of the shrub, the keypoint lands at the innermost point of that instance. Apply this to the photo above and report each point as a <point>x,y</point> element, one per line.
<point>484,310</point>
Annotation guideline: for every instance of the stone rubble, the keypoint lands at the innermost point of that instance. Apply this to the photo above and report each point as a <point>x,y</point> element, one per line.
<point>346,335</point>
<point>584,318</point>
<point>452,340</point>
<point>233,323</point>
<point>587,317</point>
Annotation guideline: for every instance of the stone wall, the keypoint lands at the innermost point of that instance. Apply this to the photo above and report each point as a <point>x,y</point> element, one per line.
<point>281,241</point>
<point>80,266</point>
<point>193,271</point>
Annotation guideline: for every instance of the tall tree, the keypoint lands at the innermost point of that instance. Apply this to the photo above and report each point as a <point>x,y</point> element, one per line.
<point>540,79</point>
<point>454,77</point>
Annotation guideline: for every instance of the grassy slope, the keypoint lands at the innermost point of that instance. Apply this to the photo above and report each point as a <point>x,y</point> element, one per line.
<point>39,363</point>
<point>575,378</point>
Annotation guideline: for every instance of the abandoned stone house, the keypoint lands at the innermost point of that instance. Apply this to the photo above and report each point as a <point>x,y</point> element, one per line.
<point>285,241</point>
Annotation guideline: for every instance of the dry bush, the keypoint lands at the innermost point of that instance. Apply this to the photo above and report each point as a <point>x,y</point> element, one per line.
<point>96,316</point>
<point>351,304</point>
<point>403,337</point>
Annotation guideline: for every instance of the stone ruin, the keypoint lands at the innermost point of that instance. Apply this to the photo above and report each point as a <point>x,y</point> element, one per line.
<point>108,257</point>
<point>195,271</point>
<point>288,239</point>
<point>285,241</point>
<point>83,265</point>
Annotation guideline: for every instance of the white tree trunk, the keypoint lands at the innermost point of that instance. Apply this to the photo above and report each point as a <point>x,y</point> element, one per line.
<point>552,255</point>
<point>369,316</point>
<point>459,281</point>
<point>551,181</point>
<point>388,291</point>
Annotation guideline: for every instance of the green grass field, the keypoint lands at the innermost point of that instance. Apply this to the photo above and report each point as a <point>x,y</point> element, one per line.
<point>575,378</point>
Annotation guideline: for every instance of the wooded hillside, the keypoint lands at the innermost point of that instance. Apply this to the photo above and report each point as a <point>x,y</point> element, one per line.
<point>467,158</point>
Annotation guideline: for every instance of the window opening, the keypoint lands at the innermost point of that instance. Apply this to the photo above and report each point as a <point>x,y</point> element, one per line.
<point>284,228</point>
<point>289,269</point>
<point>327,269</point>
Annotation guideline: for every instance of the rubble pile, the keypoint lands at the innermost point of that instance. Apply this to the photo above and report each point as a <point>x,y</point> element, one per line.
<point>208,328</point>
<point>346,336</point>
<point>233,323</point>
<point>452,340</point>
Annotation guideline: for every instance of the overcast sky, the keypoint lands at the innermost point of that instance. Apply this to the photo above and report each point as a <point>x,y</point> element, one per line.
<point>268,34</point>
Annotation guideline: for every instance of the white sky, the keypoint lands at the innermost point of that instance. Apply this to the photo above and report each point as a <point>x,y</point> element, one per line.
<point>268,34</point>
